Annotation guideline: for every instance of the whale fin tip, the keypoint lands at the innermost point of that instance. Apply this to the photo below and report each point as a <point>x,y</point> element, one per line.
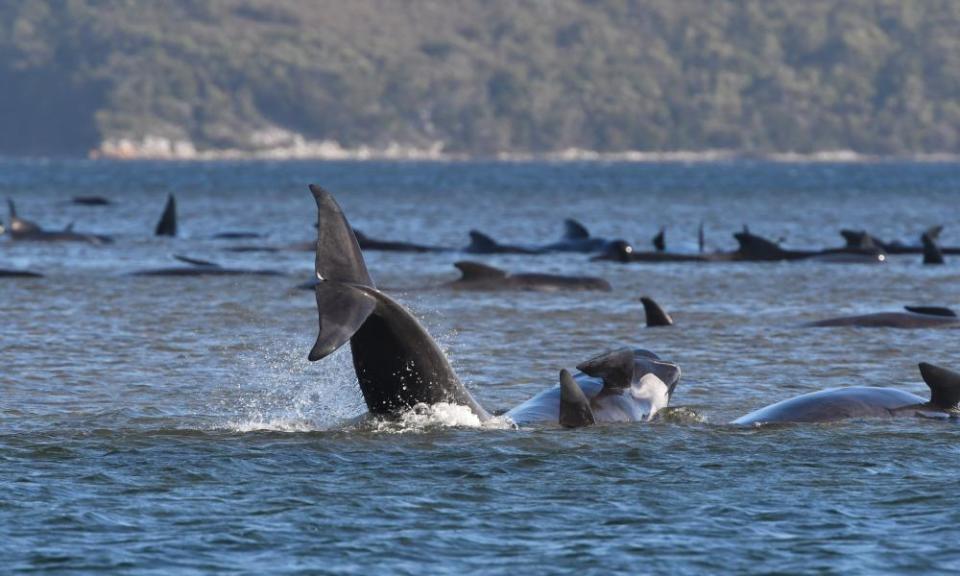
<point>575,410</point>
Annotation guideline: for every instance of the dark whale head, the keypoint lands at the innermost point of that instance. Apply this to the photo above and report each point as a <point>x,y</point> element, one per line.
<point>616,251</point>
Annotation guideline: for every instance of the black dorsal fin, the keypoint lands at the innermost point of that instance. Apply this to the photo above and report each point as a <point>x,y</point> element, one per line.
<point>575,409</point>
<point>480,242</point>
<point>934,231</point>
<point>656,316</point>
<point>473,271</point>
<point>339,267</point>
<point>614,368</point>
<point>944,386</point>
<point>931,250</point>
<point>69,227</point>
<point>167,225</point>
<point>574,230</point>
<point>660,240</point>
<point>932,311</point>
<point>12,208</point>
<point>700,237</point>
<point>196,261</point>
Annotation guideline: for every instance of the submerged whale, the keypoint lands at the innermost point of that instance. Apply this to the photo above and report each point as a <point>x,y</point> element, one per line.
<point>860,238</point>
<point>755,248</point>
<point>203,268</point>
<point>576,238</point>
<point>914,317</point>
<point>865,401</point>
<point>480,243</point>
<point>8,273</point>
<point>25,230</point>
<point>477,276</point>
<point>398,365</point>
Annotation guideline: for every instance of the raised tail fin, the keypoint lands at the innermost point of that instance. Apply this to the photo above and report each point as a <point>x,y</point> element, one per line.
<point>167,225</point>
<point>656,316</point>
<point>944,386</point>
<point>342,307</point>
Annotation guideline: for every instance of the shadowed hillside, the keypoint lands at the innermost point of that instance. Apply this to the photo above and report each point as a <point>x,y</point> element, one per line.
<point>481,77</point>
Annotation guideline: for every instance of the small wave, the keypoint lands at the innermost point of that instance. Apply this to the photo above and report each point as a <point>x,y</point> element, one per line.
<point>423,417</point>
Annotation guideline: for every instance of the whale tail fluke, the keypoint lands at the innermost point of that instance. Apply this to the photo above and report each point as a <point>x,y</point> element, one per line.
<point>656,316</point>
<point>167,225</point>
<point>341,272</point>
<point>944,386</point>
<point>575,410</point>
<point>574,230</point>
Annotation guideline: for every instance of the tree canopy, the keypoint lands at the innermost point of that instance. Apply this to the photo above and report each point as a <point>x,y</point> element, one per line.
<point>484,76</point>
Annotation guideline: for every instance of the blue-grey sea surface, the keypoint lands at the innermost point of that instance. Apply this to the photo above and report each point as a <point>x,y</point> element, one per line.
<point>174,425</point>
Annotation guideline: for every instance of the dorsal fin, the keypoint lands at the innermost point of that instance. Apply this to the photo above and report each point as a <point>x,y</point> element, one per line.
<point>17,224</point>
<point>656,316</point>
<point>944,386</point>
<point>196,261</point>
<point>574,230</point>
<point>934,231</point>
<point>932,311</point>
<point>480,242</point>
<point>342,308</point>
<point>614,368</point>
<point>474,271</point>
<point>660,241</point>
<point>575,409</point>
<point>69,227</point>
<point>931,250</point>
<point>858,238</point>
<point>752,243</point>
<point>700,237</point>
<point>167,225</point>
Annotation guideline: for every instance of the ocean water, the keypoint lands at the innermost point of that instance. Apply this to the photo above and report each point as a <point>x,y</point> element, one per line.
<point>174,425</point>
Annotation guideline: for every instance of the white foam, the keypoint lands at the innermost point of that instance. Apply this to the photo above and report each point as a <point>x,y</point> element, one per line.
<point>423,417</point>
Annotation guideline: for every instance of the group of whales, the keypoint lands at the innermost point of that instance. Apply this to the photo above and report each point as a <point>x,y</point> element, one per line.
<point>399,366</point>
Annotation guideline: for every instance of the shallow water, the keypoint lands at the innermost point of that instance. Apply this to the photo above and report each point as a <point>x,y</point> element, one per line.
<point>161,424</point>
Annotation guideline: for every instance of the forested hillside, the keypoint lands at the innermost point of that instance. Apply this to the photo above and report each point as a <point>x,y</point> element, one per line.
<point>483,76</point>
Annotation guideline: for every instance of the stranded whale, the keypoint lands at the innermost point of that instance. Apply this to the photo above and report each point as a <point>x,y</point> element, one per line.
<point>914,317</point>
<point>203,268</point>
<point>864,402</point>
<point>477,276</point>
<point>398,365</point>
<point>21,229</point>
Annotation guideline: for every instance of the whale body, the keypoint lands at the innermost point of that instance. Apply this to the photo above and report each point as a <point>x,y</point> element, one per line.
<point>863,402</point>
<point>399,366</point>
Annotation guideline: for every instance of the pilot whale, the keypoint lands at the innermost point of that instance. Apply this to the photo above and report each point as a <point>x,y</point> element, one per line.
<point>477,276</point>
<point>865,401</point>
<point>22,229</point>
<point>914,317</point>
<point>398,365</point>
<point>203,268</point>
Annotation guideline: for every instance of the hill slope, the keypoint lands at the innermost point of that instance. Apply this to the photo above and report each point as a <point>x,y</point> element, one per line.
<point>483,76</point>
